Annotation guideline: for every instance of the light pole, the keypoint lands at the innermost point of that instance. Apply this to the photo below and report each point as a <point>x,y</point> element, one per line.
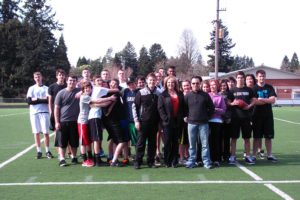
<point>217,40</point>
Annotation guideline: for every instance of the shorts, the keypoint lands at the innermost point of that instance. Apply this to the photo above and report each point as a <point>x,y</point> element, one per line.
<point>241,124</point>
<point>83,134</point>
<point>183,136</point>
<point>133,133</point>
<point>96,132</point>
<point>68,134</point>
<point>40,123</point>
<point>263,126</point>
<point>115,131</point>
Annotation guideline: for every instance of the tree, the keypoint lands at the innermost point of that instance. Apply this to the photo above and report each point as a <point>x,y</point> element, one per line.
<point>225,45</point>
<point>82,61</point>
<point>285,64</point>
<point>188,48</point>
<point>129,58</point>
<point>61,58</point>
<point>9,10</point>
<point>242,63</point>
<point>157,56</point>
<point>294,63</point>
<point>38,43</point>
<point>144,64</point>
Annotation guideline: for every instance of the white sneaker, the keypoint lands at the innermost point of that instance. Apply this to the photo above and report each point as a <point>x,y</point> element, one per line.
<point>232,160</point>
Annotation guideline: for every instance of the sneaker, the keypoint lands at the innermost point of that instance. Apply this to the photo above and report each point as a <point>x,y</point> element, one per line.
<point>102,153</point>
<point>244,154</point>
<point>74,161</point>
<point>101,163</point>
<point>62,163</point>
<point>182,162</point>
<point>261,154</point>
<point>137,166</point>
<point>249,160</point>
<point>272,159</point>
<point>190,165</point>
<point>39,155</point>
<point>89,163</point>
<point>216,164</point>
<point>157,161</point>
<point>84,163</point>
<point>232,160</point>
<point>151,165</point>
<point>125,161</point>
<point>49,155</point>
<point>199,164</point>
<point>116,164</point>
<point>208,167</point>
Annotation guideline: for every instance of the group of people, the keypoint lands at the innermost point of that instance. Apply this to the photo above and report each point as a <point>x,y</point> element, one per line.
<point>198,122</point>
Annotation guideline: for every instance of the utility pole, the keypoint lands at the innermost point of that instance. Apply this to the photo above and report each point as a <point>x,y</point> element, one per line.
<point>217,40</point>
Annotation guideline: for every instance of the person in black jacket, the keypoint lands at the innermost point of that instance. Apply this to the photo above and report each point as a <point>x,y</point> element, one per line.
<point>198,110</point>
<point>146,118</point>
<point>170,108</point>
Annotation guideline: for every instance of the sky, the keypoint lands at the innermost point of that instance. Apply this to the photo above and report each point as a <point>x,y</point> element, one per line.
<point>265,30</point>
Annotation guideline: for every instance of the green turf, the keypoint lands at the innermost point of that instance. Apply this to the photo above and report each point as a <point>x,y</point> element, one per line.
<point>16,136</point>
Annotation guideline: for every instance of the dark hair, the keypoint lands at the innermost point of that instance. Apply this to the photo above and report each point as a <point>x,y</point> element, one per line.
<point>224,81</point>
<point>60,71</point>
<point>240,73</point>
<point>73,77</point>
<point>231,78</point>
<point>253,77</point>
<point>197,77</point>
<point>142,78</point>
<point>261,71</point>
<point>96,76</point>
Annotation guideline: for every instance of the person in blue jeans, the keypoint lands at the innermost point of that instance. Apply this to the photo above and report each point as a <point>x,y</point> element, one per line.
<point>198,110</point>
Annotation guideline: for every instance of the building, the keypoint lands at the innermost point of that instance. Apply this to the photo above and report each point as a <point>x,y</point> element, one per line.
<point>286,84</point>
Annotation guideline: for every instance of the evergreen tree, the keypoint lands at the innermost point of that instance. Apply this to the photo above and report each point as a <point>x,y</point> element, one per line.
<point>294,63</point>
<point>157,56</point>
<point>242,63</point>
<point>9,10</point>
<point>144,64</point>
<point>96,66</point>
<point>38,42</point>
<point>61,58</point>
<point>82,61</point>
<point>130,58</point>
<point>285,64</point>
<point>225,46</point>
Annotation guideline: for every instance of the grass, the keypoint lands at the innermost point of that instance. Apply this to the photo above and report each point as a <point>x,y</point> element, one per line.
<point>16,136</point>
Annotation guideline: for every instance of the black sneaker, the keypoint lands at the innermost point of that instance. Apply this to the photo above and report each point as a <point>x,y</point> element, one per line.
<point>261,154</point>
<point>62,163</point>
<point>39,155</point>
<point>116,164</point>
<point>74,161</point>
<point>49,155</point>
<point>137,165</point>
<point>272,159</point>
<point>101,163</point>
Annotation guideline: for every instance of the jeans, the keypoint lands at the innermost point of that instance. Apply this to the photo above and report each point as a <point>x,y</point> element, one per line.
<point>201,132</point>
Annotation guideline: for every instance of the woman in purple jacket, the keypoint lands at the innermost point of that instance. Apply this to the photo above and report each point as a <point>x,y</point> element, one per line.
<point>215,123</point>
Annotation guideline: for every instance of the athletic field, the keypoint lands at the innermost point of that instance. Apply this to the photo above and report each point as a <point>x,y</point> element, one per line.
<point>24,177</point>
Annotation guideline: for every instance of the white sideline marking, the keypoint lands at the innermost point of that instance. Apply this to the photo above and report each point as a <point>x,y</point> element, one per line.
<point>269,185</point>
<point>149,183</point>
<point>20,154</point>
<point>13,114</point>
<point>278,191</point>
<point>283,120</point>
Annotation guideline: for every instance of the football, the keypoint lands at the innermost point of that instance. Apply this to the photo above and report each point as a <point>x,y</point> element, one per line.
<point>241,103</point>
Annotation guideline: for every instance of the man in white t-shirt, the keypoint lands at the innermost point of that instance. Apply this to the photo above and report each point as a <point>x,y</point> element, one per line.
<point>39,113</point>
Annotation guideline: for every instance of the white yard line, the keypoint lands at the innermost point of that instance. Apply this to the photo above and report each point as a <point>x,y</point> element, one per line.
<point>283,120</point>
<point>13,114</point>
<point>268,185</point>
<point>18,155</point>
<point>150,183</point>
